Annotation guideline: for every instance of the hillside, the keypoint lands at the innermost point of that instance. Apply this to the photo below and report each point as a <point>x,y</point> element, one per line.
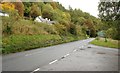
<point>21,32</point>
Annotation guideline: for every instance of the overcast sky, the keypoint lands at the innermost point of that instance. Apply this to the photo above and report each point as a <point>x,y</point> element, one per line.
<point>90,6</point>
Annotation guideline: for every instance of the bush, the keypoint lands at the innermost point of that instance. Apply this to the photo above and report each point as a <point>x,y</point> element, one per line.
<point>97,38</point>
<point>73,29</point>
<point>26,27</point>
<point>61,29</point>
<point>112,33</point>
<point>79,31</point>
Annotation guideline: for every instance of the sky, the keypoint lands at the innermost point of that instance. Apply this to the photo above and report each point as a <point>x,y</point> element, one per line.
<point>90,6</point>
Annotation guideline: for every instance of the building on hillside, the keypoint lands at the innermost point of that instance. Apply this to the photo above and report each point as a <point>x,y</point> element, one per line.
<point>46,20</point>
<point>3,13</point>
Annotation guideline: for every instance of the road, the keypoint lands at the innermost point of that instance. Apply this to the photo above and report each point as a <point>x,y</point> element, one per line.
<point>75,56</point>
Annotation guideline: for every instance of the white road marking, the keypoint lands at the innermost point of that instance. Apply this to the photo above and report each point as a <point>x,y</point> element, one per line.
<point>38,69</point>
<point>53,61</point>
<point>66,55</point>
<point>74,50</point>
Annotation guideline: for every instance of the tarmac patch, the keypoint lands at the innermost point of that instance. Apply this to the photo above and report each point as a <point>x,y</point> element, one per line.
<point>117,54</point>
<point>89,46</point>
<point>82,49</point>
<point>101,53</point>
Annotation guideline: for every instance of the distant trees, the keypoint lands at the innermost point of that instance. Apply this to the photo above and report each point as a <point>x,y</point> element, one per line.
<point>91,28</point>
<point>71,21</point>
<point>60,7</point>
<point>85,21</point>
<point>53,4</point>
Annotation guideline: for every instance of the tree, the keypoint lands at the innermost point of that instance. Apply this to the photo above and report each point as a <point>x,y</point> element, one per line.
<point>81,21</point>
<point>20,7</point>
<point>53,4</point>
<point>27,8</point>
<point>109,12</point>
<point>40,5</point>
<point>60,7</point>
<point>35,11</point>
<point>76,15</point>
<point>47,11</point>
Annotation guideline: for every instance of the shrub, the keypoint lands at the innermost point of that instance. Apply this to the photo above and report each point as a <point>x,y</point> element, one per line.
<point>73,29</point>
<point>26,27</point>
<point>79,31</point>
<point>61,29</point>
<point>112,33</point>
<point>97,38</point>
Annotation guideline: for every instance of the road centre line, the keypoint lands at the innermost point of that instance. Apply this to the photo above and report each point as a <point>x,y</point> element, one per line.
<point>38,69</point>
<point>75,50</point>
<point>66,55</point>
<point>53,61</point>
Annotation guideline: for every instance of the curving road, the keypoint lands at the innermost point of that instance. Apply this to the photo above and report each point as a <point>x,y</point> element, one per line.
<point>73,56</point>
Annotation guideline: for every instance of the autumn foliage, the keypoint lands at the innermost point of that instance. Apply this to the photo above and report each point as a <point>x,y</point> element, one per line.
<point>20,7</point>
<point>7,6</point>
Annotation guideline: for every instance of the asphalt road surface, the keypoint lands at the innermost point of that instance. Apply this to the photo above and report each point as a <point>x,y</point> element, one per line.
<point>73,56</point>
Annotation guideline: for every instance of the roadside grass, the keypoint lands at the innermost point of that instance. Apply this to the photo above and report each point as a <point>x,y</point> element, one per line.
<point>110,43</point>
<point>18,43</point>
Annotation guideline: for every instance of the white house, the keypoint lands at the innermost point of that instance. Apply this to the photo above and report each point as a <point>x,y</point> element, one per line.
<point>3,14</point>
<point>46,20</point>
<point>39,19</point>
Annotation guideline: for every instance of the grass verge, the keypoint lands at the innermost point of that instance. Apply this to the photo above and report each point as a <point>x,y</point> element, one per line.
<point>18,43</point>
<point>101,42</point>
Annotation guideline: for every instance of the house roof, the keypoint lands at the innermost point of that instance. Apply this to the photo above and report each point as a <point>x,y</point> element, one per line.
<point>45,20</point>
